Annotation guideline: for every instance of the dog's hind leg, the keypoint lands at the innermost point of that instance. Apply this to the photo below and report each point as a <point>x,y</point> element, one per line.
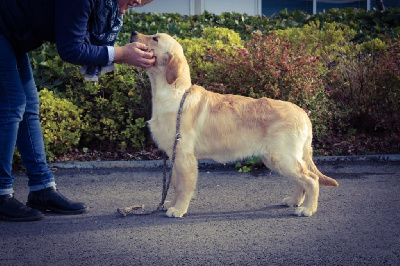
<point>307,187</point>
<point>306,192</point>
<point>309,181</point>
<point>184,180</point>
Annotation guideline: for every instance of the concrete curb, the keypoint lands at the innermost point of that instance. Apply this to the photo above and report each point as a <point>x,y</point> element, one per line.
<point>211,163</point>
<point>358,158</point>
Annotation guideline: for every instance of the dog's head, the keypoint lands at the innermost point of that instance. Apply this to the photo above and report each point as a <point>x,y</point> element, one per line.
<point>168,52</point>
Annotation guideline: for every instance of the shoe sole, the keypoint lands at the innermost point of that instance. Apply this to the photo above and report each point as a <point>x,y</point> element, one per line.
<point>44,209</point>
<point>22,219</point>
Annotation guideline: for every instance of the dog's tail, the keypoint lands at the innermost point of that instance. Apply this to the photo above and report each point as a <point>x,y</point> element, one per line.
<point>323,180</point>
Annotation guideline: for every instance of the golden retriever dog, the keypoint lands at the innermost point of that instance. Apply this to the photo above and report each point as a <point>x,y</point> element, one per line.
<point>226,128</point>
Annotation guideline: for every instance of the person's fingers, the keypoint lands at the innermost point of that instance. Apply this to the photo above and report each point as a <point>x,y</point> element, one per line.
<point>140,46</point>
<point>145,54</point>
<point>148,62</point>
<point>137,54</point>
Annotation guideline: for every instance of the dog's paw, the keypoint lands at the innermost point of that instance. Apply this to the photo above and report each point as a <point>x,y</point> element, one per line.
<point>290,202</point>
<point>302,211</point>
<point>174,212</point>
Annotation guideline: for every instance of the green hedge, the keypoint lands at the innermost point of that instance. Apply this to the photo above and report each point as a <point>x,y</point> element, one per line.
<point>115,108</point>
<point>62,124</point>
<point>368,24</point>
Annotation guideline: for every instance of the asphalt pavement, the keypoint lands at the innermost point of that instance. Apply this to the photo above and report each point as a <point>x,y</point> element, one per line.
<point>234,219</point>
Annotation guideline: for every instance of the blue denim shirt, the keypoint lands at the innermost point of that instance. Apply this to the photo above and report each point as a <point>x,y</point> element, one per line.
<point>29,23</point>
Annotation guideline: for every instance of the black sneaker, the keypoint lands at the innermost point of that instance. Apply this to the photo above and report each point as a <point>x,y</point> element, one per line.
<point>13,210</point>
<point>49,199</point>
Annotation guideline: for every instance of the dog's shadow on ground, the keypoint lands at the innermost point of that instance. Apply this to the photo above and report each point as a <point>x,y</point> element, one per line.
<point>269,212</point>
<point>160,219</point>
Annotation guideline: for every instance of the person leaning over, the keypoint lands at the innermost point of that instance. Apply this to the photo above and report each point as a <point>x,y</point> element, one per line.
<point>84,32</point>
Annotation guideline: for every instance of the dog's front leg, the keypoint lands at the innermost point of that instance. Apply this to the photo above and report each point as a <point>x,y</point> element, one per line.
<point>184,180</point>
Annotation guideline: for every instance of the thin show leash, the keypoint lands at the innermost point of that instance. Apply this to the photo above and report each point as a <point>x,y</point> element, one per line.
<point>166,181</point>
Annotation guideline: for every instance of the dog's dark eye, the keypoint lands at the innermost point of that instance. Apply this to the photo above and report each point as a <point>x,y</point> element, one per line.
<point>155,39</point>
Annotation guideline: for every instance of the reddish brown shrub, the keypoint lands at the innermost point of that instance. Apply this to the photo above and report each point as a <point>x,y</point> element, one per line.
<point>366,91</point>
<point>270,66</point>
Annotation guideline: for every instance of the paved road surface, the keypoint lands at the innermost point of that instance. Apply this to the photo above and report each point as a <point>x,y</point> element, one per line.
<point>235,219</point>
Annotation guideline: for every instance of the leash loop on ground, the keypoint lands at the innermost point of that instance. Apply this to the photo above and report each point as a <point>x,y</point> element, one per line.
<point>139,209</point>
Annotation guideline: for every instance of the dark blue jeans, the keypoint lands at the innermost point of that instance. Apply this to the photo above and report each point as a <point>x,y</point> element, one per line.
<point>19,122</point>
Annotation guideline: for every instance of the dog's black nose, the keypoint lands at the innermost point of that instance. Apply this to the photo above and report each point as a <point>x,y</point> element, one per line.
<point>134,35</point>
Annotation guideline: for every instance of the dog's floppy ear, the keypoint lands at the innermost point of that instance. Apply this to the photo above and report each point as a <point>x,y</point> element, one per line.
<point>174,68</point>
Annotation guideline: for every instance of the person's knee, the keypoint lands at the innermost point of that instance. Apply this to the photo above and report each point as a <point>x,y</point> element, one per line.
<point>13,108</point>
<point>32,99</point>
<point>32,107</point>
<point>13,98</point>
<point>17,109</point>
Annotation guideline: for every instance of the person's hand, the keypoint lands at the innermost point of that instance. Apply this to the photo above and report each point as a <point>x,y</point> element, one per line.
<point>135,54</point>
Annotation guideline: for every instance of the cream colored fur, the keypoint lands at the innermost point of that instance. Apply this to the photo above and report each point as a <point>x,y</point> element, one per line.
<point>226,128</point>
